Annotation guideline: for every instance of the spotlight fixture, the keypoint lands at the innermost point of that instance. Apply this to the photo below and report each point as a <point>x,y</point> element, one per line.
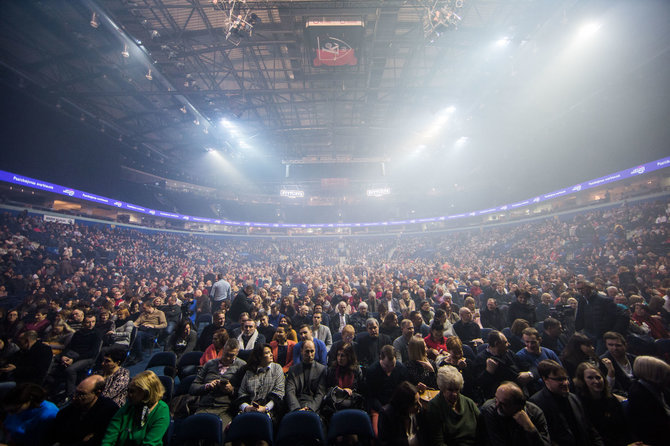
<point>94,21</point>
<point>155,34</point>
<point>149,76</point>
<point>125,52</point>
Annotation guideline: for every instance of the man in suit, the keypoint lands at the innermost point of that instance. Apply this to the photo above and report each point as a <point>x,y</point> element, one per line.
<point>340,318</point>
<point>320,331</point>
<point>282,348</point>
<point>390,303</point>
<point>306,382</point>
<point>568,424</point>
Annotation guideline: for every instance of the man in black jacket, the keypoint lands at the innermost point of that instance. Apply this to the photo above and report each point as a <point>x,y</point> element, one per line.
<point>491,316</point>
<point>497,364</point>
<point>370,344</point>
<point>510,420</point>
<point>31,363</point>
<point>79,355</point>
<point>84,422</point>
<point>242,303</point>
<point>597,314</point>
<point>568,424</point>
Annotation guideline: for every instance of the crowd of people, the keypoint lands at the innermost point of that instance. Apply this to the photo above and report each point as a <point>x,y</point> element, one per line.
<point>553,331</point>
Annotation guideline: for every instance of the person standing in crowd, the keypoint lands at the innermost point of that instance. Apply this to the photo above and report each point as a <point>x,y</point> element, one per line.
<point>221,293</point>
<point>597,314</point>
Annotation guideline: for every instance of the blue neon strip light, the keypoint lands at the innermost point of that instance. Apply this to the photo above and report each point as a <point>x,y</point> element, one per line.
<point>74,193</point>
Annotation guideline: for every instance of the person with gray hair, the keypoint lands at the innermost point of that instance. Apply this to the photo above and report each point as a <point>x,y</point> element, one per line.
<point>370,344</point>
<point>453,418</point>
<point>359,318</point>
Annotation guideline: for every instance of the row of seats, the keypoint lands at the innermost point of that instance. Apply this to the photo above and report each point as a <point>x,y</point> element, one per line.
<point>296,428</point>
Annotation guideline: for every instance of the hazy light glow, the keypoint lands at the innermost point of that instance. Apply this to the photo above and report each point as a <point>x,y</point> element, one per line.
<point>503,42</point>
<point>440,121</point>
<point>588,30</point>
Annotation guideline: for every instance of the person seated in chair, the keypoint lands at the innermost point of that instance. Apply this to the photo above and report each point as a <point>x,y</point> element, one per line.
<point>85,421</point>
<point>217,382</point>
<point>306,381</point>
<point>79,355</point>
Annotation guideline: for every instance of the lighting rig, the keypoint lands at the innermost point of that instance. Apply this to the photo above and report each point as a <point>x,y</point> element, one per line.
<point>239,22</point>
<point>440,16</point>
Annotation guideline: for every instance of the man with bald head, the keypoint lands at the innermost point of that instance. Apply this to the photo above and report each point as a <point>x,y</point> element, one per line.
<point>306,382</point>
<point>85,420</point>
<point>511,420</point>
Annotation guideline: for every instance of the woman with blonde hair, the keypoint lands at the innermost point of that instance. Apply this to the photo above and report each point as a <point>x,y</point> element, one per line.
<point>144,418</point>
<point>421,371</point>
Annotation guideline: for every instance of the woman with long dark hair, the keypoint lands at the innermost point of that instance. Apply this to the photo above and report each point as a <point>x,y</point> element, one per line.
<point>399,421</point>
<point>579,349</point>
<point>343,381</point>
<point>262,387</point>
<point>600,406</point>
<point>183,339</point>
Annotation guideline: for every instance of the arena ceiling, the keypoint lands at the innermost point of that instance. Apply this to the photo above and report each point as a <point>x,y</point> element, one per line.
<point>488,101</point>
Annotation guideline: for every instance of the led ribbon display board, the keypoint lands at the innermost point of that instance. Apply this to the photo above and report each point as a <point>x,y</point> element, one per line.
<point>74,193</point>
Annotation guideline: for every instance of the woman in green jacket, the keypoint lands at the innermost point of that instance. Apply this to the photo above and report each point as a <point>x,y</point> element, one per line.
<point>144,419</point>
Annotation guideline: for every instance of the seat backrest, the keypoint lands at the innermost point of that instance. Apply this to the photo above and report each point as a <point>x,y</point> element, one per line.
<point>250,426</point>
<point>162,359</point>
<point>481,348</point>
<point>302,428</point>
<point>168,384</point>
<point>199,427</point>
<point>184,385</point>
<point>349,422</point>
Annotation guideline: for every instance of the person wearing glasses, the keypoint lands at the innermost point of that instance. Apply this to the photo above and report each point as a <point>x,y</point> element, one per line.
<point>567,421</point>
